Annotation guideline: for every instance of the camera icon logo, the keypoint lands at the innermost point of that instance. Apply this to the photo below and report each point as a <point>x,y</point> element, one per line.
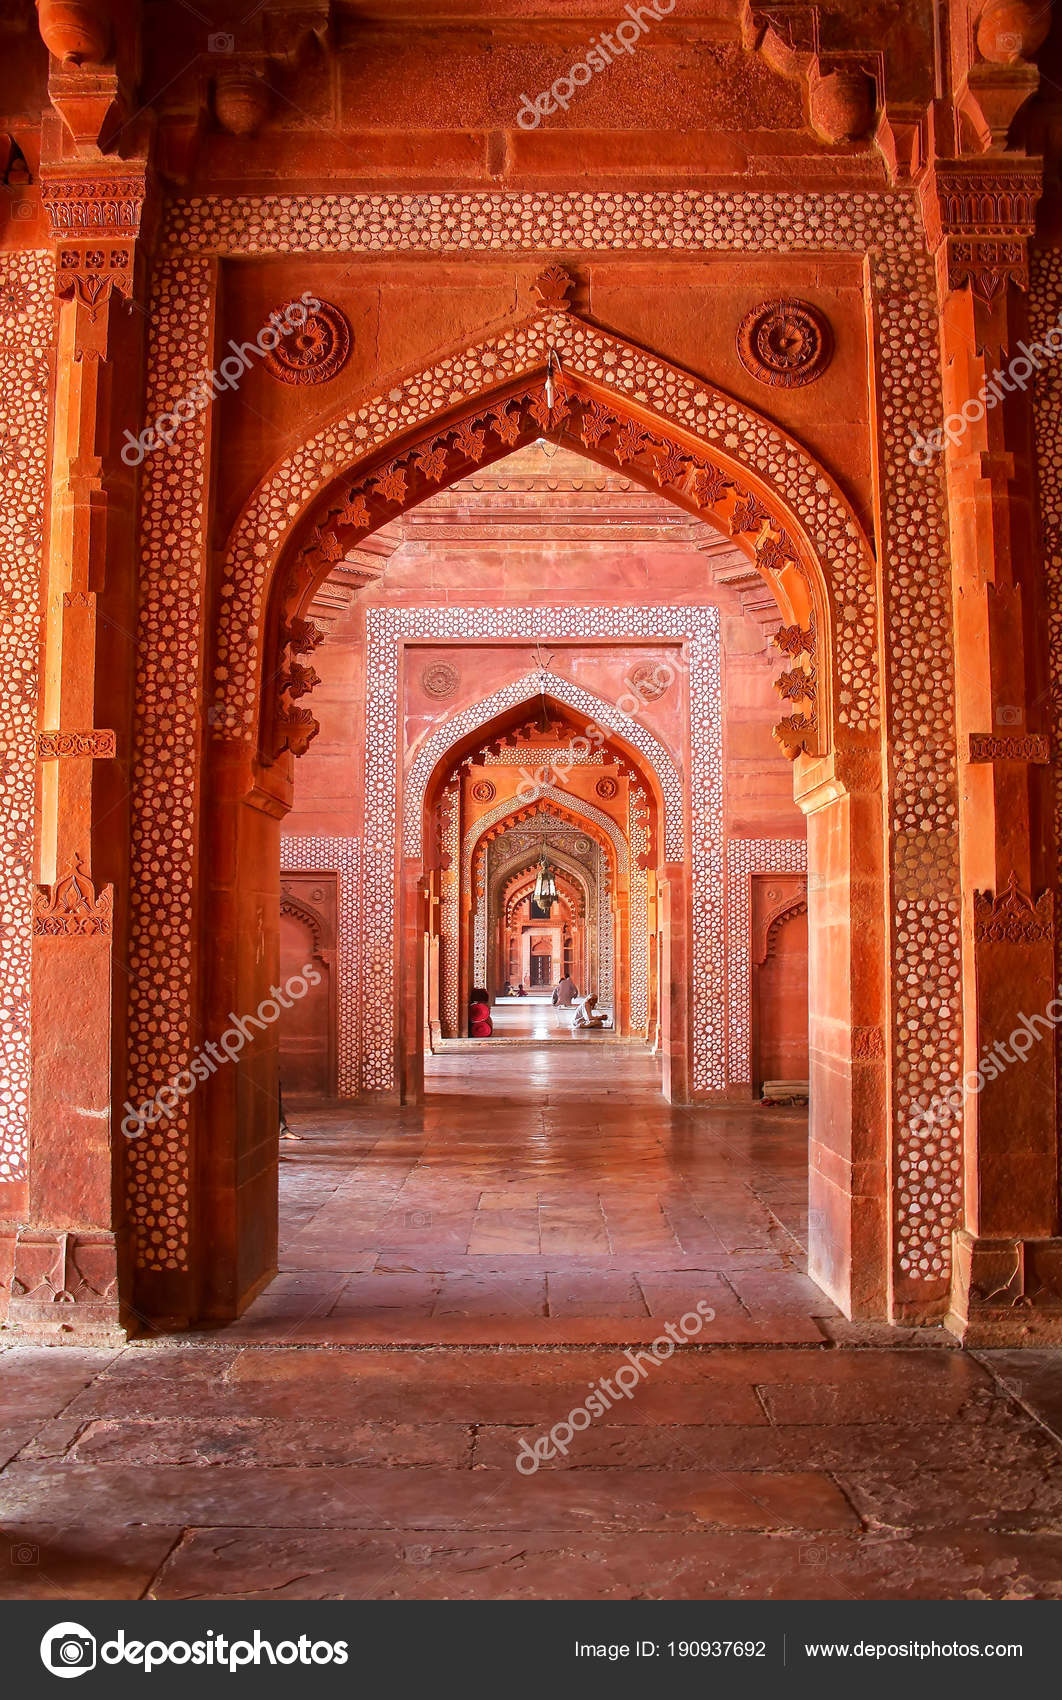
<point>221,42</point>
<point>68,1650</point>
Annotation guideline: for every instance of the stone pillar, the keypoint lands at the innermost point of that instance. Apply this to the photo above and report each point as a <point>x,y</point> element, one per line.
<point>676,988</point>
<point>232,1249</point>
<point>414,922</point>
<point>69,1249</point>
<point>848,1220</point>
<point>1008,1277</point>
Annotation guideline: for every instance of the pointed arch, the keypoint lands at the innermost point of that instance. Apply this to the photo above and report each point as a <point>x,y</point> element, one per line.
<point>547,803</point>
<point>667,428</point>
<point>437,745</point>
<point>598,823</point>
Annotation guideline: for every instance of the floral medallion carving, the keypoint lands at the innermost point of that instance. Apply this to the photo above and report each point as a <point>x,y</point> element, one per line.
<point>484,791</point>
<point>606,788</point>
<point>316,351</point>
<point>785,343</point>
<point>649,681</point>
<point>440,680</point>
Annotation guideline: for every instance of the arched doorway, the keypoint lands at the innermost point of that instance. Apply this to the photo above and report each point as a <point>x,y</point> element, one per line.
<point>787,516</point>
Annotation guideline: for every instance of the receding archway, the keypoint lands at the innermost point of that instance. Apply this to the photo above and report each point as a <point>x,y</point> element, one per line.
<point>720,462</point>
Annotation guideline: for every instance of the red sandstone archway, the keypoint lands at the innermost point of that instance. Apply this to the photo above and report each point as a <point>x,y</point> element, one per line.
<point>720,461</point>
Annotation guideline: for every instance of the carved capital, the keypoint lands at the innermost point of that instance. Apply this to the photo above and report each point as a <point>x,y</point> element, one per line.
<point>978,219</point>
<point>94,205</point>
<point>95,221</point>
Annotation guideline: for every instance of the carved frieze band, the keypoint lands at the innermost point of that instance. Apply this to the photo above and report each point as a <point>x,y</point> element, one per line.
<point>100,744</point>
<point>1034,747</point>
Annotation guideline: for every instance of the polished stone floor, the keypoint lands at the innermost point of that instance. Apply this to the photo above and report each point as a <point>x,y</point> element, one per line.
<point>454,1283</point>
<point>541,1197</point>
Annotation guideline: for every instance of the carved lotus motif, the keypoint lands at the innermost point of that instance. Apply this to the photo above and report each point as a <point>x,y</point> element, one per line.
<point>315,351</point>
<point>786,343</point>
<point>440,680</point>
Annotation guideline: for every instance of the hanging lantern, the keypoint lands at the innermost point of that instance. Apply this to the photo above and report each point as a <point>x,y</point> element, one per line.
<point>545,884</point>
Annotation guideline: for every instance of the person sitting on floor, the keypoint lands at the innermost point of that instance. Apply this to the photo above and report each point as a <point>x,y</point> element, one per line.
<point>480,1025</point>
<point>586,1015</point>
<point>508,992</point>
<point>520,990</point>
<point>566,993</point>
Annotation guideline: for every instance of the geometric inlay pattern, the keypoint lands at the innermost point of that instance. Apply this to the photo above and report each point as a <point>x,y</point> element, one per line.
<point>745,857</point>
<point>925,960</point>
<point>26,321</point>
<point>165,777</point>
<point>598,713</point>
<point>386,629</point>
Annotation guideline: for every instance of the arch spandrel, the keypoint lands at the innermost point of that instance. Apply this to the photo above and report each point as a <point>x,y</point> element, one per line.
<point>689,439</point>
<point>437,745</point>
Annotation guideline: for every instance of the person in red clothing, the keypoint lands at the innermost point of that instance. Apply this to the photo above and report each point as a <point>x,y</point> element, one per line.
<point>480,1025</point>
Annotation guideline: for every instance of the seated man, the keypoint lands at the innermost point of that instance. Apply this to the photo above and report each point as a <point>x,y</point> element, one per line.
<point>566,993</point>
<point>586,1015</point>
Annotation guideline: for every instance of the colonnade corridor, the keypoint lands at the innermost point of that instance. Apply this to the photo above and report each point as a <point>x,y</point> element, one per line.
<point>544,1336</point>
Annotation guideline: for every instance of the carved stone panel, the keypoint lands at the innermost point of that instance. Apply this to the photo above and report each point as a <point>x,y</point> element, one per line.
<point>309,907</point>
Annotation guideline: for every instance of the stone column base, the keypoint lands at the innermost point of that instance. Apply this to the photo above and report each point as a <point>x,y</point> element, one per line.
<point>1006,1292</point>
<point>61,1287</point>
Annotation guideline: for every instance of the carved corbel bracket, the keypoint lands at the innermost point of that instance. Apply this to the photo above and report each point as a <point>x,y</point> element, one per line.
<point>842,90</point>
<point>978,218</point>
<point>95,222</point>
<point>93,49</point>
<point>1000,78</point>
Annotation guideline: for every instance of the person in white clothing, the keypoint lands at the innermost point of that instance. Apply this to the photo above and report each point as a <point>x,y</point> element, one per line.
<point>586,1015</point>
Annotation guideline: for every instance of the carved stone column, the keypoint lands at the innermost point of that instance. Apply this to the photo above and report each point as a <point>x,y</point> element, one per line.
<point>978,215</point>
<point>67,1252</point>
